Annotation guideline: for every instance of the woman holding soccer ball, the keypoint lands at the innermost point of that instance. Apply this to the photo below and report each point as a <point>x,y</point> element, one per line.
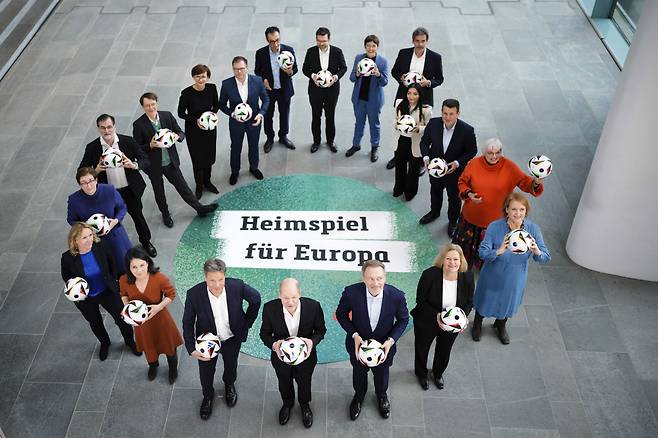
<point>446,284</point>
<point>503,277</point>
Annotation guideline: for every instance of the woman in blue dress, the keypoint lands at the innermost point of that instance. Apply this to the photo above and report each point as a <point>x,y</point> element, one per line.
<point>95,198</point>
<point>499,290</point>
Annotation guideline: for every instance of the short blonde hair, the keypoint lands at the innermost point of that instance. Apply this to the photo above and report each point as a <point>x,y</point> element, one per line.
<point>438,261</point>
<point>75,232</point>
<point>518,197</point>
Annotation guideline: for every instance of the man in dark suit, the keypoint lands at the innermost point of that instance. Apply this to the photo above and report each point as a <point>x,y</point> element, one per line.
<point>243,88</point>
<point>126,179</point>
<point>215,306</point>
<point>422,60</point>
<point>453,140</point>
<point>378,311</point>
<point>323,57</point>
<point>164,161</point>
<point>291,315</point>
<point>278,83</point>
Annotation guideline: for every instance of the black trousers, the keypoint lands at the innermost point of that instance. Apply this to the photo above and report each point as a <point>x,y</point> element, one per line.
<point>323,99</point>
<point>424,334</point>
<point>134,206</point>
<point>360,377</point>
<point>406,169</point>
<point>449,183</point>
<point>237,132</point>
<point>230,349</point>
<point>302,374</point>
<point>91,312</point>
<point>283,102</point>
<point>175,177</point>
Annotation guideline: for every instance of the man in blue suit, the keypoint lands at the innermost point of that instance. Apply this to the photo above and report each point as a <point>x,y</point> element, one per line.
<point>244,88</point>
<point>215,306</point>
<point>378,311</point>
<point>278,82</point>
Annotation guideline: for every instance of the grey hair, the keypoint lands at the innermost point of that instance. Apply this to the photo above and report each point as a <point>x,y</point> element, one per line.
<point>214,265</point>
<point>492,143</point>
<point>293,280</point>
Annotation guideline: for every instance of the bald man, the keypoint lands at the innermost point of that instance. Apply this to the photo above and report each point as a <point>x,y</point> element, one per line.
<point>293,315</point>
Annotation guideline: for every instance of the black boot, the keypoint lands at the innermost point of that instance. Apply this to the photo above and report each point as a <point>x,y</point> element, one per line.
<point>476,331</point>
<point>206,181</point>
<point>173,367</point>
<point>153,370</point>
<point>198,180</point>
<point>502,332</point>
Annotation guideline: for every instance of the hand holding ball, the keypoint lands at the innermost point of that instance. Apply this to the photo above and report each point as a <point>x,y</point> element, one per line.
<point>324,79</point>
<point>208,345</point>
<point>366,67</point>
<point>285,59</point>
<point>242,112</point>
<point>371,353</point>
<point>165,138</point>
<point>135,313</point>
<point>453,320</point>
<point>519,241</point>
<point>405,124</point>
<point>294,350</point>
<point>437,167</point>
<point>208,121</point>
<point>112,157</point>
<point>540,166</point>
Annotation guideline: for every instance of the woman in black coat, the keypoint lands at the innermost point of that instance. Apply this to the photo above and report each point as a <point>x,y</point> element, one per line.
<point>445,284</point>
<point>90,258</point>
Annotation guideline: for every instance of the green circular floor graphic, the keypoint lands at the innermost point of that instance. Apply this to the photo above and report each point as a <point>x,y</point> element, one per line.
<point>315,228</point>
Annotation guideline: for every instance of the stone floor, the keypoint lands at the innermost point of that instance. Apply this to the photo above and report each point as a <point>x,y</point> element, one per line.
<point>582,362</point>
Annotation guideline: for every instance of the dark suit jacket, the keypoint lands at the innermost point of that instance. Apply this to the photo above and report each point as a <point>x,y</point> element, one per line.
<point>393,318</point>
<point>263,68</point>
<point>462,145</point>
<point>71,266</point>
<point>311,65</point>
<point>429,296</point>
<point>143,132</point>
<point>311,323</point>
<point>229,97</point>
<point>433,70</point>
<point>198,317</point>
<point>131,150</point>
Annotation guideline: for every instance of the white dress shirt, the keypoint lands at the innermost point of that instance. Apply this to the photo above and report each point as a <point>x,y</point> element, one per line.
<point>447,136</point>
<point>219,309</point>
<point>374,307</point>
<point>115,175</point>
<point>243,89</point>
<point>417,62</point>
<point>292,321</point>
<point>324,59</point>
<point>449,293</point>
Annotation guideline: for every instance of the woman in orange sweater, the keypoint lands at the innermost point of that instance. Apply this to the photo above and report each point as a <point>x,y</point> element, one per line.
<point>485,183</point>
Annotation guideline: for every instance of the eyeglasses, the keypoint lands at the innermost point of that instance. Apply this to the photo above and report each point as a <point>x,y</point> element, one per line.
<point>88,182</point>
<point>239,68</point>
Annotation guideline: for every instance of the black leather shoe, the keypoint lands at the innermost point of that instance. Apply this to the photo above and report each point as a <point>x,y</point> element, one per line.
<point>353,150</point>
<point>198,191</point>
<point>452,226</point>
<point>287,143</point>
<point>133,348</point>
<point>167,220</point>
<point>423,383</point>
<point>502,331</point>
<point>355,408</point>
<point>206,408</point>
<point>397,193</point>
<point>205,209</point>
<point>103,352</point>
<point>421,171</point>
<point>231,395</point>
<point>256,173</point>
<point>429,217</point>
<point>153,371</point>
<point>211,187</point>
<point>267,147</point>
<point>307,415</point>
<point>315,147</point>
<point>438,381</point>
<point>150,249</point>
<point>233,179</point>
<point>284,414</point>
<point>332,146</point>
<point>384,407</point>
<point>374,156</point>
<point>391,163</point>
<point>476,331</point>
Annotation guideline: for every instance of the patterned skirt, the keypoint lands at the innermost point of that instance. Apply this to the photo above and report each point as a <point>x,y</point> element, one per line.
<point>469,236</point>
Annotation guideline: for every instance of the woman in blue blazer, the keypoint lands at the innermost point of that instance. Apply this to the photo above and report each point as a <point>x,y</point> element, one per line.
<point>368,97</point>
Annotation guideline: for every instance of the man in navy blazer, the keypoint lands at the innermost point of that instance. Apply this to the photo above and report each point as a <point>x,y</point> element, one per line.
<point>423,60</point>
<point>378,311</point>
<point>243,88</point>
<point>453,140</point>
<point>215,306</point>
<point>278,82</point>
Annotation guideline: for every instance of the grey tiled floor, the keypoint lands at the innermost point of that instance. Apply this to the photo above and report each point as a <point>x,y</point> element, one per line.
<point>582,362</point>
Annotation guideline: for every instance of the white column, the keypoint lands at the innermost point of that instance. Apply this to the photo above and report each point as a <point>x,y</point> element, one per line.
<point>615,229</point>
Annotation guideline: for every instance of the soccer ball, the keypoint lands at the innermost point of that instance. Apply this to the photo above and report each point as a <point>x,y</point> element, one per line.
<point>453,320</point>
<point>242,112</point>
<point>371,353</point>
<point>519,241</point>
<point>366,67</point>
<point>294,351</point>
<point>540,166</point>
<point>405,124</point>
<point>76,289</point>
<point>324,79</point>
<point>135,313</point>
<point>285,59</point>
<point>208,345</point>
<point>112,157</point>
<point>437,167</point>
<point>208,121</point>
<point>165,138</point>
<point>413,77</point>
<point>100,223</point>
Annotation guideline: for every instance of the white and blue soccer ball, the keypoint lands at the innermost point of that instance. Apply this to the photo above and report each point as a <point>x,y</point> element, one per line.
<point>540,166</point>
<point>112,157</point>
<point>208,121</point>
<point>437,167</point>
<point>208,344</point>
<point>453,320</point>
<point>135,313</point>
<point>519,241</point>
<point>371,352</point>
<point>100,223</point>
<point>285,59</point>
<point>165,138</point>
<point>366,67</point>
<point>242,112</point>
<point>294,350</point>
<point>76,289</point>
